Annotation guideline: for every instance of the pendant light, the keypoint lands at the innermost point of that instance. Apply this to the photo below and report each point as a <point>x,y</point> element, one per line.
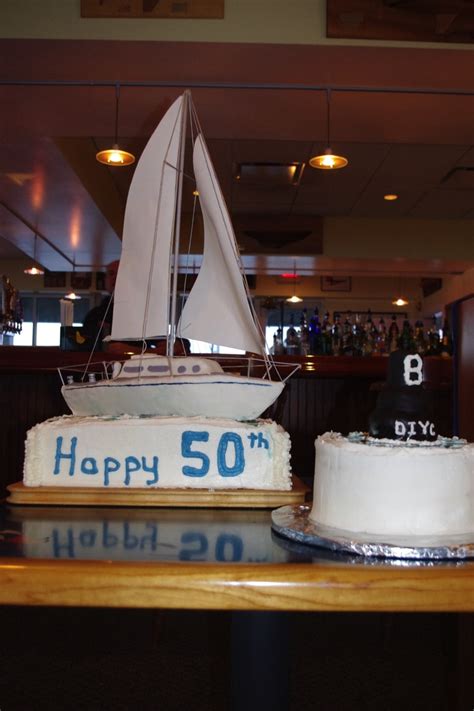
<point>34,270</point>
<point>328,160</point>
<point>72,296</point>
<point>400,300</point>
<point>115,156</point>
<point>294,299</point>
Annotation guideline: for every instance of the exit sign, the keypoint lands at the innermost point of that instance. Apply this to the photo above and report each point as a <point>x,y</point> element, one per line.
<point>154,9</point>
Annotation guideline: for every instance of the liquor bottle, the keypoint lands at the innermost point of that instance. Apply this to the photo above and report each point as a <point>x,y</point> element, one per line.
<point>326,335</point>
<point>336,336</point>
<point>370,336</point>
<point>420,341</point>
<point>315,333</point>
<point>304,333</point>
<point>347,335</point>
<point>446,348</point>
<point>278,343</point>
<point>381,340</point>
<point>357,337</point>
<point>393,335</point>
<point>434,343</point>
<point>292,341</point>
<point>406,341</point>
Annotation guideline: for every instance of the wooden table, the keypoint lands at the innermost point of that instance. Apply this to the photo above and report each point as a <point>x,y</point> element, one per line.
<point>204,559</point>
<point>220,560</point>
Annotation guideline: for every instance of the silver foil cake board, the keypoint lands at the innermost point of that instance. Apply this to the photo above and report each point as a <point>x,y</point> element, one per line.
<point>293,523</point>
<point>158,497</point>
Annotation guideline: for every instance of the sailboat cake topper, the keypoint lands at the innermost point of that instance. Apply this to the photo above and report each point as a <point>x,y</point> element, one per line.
<point>218,309</point>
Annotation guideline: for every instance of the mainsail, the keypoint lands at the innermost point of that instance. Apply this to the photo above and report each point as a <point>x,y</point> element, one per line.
<point>141,297</point>
<point>217,309</point>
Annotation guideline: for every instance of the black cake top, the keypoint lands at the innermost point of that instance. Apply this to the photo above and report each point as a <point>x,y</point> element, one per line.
<point>403,409</point>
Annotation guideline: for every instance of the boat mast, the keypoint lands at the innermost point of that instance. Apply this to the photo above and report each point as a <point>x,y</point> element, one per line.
<point>177,225</point>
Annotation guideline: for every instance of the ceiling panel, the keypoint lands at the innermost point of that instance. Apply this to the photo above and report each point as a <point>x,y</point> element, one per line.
<point>444,204</point>
<point>271,107</point>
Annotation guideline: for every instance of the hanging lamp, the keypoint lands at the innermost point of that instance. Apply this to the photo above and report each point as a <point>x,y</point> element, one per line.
<point>34,270</point>
<point>328,160</point>
<point>400,300</point>
<point>294,299</point>
<point>72,296</point>
<point>115,156</point>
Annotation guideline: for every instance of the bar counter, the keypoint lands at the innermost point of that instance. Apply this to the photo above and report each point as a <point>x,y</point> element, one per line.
<point>205,559</point>
<point>327,393</point>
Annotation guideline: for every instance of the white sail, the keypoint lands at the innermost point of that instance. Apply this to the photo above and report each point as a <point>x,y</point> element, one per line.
<point>217,309</point>
<point>141,297</point>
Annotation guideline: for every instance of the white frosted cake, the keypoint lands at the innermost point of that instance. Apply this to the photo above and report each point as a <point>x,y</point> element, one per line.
<point>157,452</point>
<point>386,488</point>
<point>401,478</point>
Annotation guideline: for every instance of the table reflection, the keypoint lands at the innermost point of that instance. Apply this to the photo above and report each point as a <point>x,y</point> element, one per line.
<point>227,536</point>
<point>174,535</point>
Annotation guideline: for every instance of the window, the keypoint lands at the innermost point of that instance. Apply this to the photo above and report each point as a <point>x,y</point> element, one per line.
<point>42,321</point>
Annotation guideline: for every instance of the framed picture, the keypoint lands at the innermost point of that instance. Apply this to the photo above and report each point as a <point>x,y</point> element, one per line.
<point>336,283</point>
<point>81,280</point>
<point>54,280</point>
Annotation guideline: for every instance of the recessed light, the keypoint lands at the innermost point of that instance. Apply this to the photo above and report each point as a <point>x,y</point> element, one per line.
<point>390,196</point>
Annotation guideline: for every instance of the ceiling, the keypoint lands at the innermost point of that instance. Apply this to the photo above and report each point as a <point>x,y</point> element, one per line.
<point>404,118</point>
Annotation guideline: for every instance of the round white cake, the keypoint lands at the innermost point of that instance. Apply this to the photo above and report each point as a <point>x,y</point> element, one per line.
<point>393,488</point>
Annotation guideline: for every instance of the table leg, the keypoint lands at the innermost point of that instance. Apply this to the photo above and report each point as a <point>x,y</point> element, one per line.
<point>260,659</point>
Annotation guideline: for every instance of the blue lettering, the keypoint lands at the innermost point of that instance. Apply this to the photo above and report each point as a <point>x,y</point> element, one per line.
<point>89,466</point>
<point>187,439</point>
<point>62,455</point>
<point>253,438</point>
<point>196,553</point>
<point>132,464</point>
<point>229,541</point>
<point>111,465</point>
<point>153,469</point>
<point>87,538</point>
<point>239,460</point>
<point>68,546</point>
<point>108,540</point>
<point>258,439</point>
<point>129,541</point>
<point>152,539</point>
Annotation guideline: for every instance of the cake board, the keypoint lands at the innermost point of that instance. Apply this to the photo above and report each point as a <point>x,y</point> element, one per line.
<point>18,493</point>
<point>293,522</point>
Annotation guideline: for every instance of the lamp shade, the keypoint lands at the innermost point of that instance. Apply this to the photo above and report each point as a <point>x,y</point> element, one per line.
<point>34,270</point>
<point>328,161</point>
<point>115,156</point>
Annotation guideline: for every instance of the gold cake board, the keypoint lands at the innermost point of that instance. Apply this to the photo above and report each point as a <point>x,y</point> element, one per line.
<point>191,498</point>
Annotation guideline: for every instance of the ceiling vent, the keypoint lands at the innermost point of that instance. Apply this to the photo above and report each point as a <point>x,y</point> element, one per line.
<point>461,177</point>
<point>269,174</point>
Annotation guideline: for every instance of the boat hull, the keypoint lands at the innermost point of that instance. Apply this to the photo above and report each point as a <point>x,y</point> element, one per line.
<point>223,395</point>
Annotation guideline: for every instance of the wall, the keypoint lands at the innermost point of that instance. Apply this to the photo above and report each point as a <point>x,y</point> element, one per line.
<point>403,237</point>
<point>374,293</point>
<point>454,288</point>
<point>259,21</point>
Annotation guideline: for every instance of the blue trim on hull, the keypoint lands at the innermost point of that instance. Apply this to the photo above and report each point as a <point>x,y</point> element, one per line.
<point>154,385</point>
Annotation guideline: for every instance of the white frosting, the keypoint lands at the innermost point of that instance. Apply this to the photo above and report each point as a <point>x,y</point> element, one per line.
<point>152,452</point>
<point>393,490</point>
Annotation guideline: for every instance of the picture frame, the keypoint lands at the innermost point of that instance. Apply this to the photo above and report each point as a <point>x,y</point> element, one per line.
<point>81,280</point>
<point>54,280</point>
<point>336,283</point>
